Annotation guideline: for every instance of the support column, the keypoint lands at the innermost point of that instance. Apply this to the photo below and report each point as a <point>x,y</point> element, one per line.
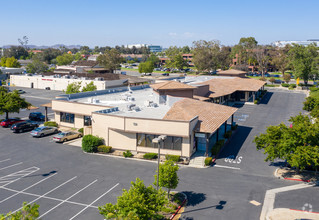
<point>46,113</point>
<point>207,144</point>
<point>246,96</point>
<point>217,133</point>
<point>254,96</point>
<point>232,119</point>
<point>225,126</point>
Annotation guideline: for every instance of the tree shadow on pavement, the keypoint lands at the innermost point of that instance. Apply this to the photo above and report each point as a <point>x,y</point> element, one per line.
<point>193,198</point>
<point>218,206</point>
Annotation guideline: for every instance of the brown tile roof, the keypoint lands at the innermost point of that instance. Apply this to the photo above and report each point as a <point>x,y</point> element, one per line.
<point>211,116</point>
<point>201,98</point>
<point>226,86</point>
<point>171,85</point>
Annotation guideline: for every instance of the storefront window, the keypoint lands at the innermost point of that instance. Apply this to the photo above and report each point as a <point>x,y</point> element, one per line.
<point>170,143</point>
<point>66,117</point>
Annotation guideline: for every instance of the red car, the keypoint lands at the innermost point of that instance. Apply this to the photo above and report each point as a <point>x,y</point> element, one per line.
<point>9,122</point>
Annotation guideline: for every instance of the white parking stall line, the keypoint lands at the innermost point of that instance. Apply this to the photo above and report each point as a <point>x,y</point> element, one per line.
<point>47,193</point>
<point>3,168</point>
<point>48,197</point>
<point>8,179</point>
<point>234,168</point>
<point>5,160</point>
<point>67,199</point>
<point>94,201</point>
<point>17,193</point>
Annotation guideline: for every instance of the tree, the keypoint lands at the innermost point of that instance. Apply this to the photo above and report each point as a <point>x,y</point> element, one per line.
<point>110,60</point>
<point>36,66</point>
<point>167,176</point>
<point>303,60</point>
<point>28,212</point>
<point>297,144</point>
<point>248,42</point>
<point>11,102</point>
<point>272,80</point>
<point>262,57</point>
<point>146,67</point>
<point>139,202</point>
<point>16,52</point>
<point>3,61</point>
<point>287,77</point>
<point>47,55</point>
<point>186,49</point>
<point>154,59</point>
<point>9,62</point>
<point>73,88</point>
<point>206,55</point>
<point>89,87</point>
<point>64,59</point>
<point>281,60</point>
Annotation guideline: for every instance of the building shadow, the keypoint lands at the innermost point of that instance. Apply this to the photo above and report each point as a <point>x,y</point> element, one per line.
<point>233,146</point>
<point>194,198</point>
<point>266,98</point>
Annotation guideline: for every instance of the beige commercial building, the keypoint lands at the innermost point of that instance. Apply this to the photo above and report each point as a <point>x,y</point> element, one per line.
<point>130,118</point>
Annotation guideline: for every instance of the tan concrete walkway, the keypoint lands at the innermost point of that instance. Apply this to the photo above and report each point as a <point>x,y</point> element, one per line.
<point>288,214</point>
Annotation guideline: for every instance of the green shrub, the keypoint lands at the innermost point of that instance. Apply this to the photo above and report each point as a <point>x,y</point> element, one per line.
<point>127,154</point>
<point>174,158</point>
<point>256,101</point>
<point>228,134</point>
<point>80,130</point>
<point>313,89</point>
<point>104,149</point>
<point>90,143</point>
<point>234,127</point>
<point>285,85</point>
<point>292,86</point>
<point>150,156</point>
<point>271,85</point>
<point>208,161</point>
<point>51,123</point>
<point>217,147</point>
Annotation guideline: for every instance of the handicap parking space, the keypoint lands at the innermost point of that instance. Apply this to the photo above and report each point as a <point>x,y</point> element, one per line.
<point>60,195</point>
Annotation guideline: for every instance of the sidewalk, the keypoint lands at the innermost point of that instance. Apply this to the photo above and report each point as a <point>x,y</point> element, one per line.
<point>289,214</point>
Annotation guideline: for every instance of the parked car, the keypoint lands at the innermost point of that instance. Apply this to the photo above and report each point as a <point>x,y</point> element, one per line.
<point>20,91</point>
<point>146,74</point>
<point>44,130</point>
<point>165,74</point>
<point>66,136</point>
<point>23,126</point>
<point>8,122</point>
<point>36,116</point>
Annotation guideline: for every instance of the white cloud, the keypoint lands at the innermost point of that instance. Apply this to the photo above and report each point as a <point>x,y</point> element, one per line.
<point>172,34</point>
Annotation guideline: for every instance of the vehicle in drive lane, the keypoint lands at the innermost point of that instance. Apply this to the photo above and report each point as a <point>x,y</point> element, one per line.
<point>44,130</point>
<point>36,116</point>
<point>66,136</point>
<point>10,121</point>
<point>23,126</point>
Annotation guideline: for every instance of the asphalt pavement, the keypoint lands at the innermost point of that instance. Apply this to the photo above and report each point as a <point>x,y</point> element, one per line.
<point>69,184</point>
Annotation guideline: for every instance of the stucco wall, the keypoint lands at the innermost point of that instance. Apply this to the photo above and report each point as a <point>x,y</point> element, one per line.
<point>54,83</point>
<point>122,140</point>
<point>76,108</point>
<point>187,93</point>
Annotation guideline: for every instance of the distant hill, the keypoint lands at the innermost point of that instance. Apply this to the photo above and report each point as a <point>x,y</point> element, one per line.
<point>56,46</point>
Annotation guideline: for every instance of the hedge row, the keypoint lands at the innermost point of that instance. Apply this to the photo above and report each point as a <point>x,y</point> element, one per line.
<point>104,149</point>
<point>174,158</point>
<point>150,156</point>
<point>51,123</point>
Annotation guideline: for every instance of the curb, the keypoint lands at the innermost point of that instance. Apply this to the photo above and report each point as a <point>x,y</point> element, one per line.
<point>304,211</point>
<point>179,207</point>
<point>128,158</point>
<point>307,181</point>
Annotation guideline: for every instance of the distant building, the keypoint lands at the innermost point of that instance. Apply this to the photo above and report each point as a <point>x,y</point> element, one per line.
<point>283,43</point>
<point>152,48</point>
<point>155,48</point>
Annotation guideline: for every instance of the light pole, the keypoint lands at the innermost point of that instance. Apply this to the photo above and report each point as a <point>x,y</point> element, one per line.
<point>159,140</point>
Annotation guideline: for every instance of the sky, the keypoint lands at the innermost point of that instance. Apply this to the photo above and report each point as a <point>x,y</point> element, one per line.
<point>166,22</point>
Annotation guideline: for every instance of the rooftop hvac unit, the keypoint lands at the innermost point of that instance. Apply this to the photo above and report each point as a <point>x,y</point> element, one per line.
<point>131,107</point>
<point>136,108</point>
<point>130,99</point>
<point>153,105</point>
<point>95,101</point>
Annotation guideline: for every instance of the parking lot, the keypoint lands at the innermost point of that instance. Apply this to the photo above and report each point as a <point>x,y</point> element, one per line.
<point>69,184</point>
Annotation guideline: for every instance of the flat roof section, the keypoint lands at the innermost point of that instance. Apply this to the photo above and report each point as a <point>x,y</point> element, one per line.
<point>141,103</point>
